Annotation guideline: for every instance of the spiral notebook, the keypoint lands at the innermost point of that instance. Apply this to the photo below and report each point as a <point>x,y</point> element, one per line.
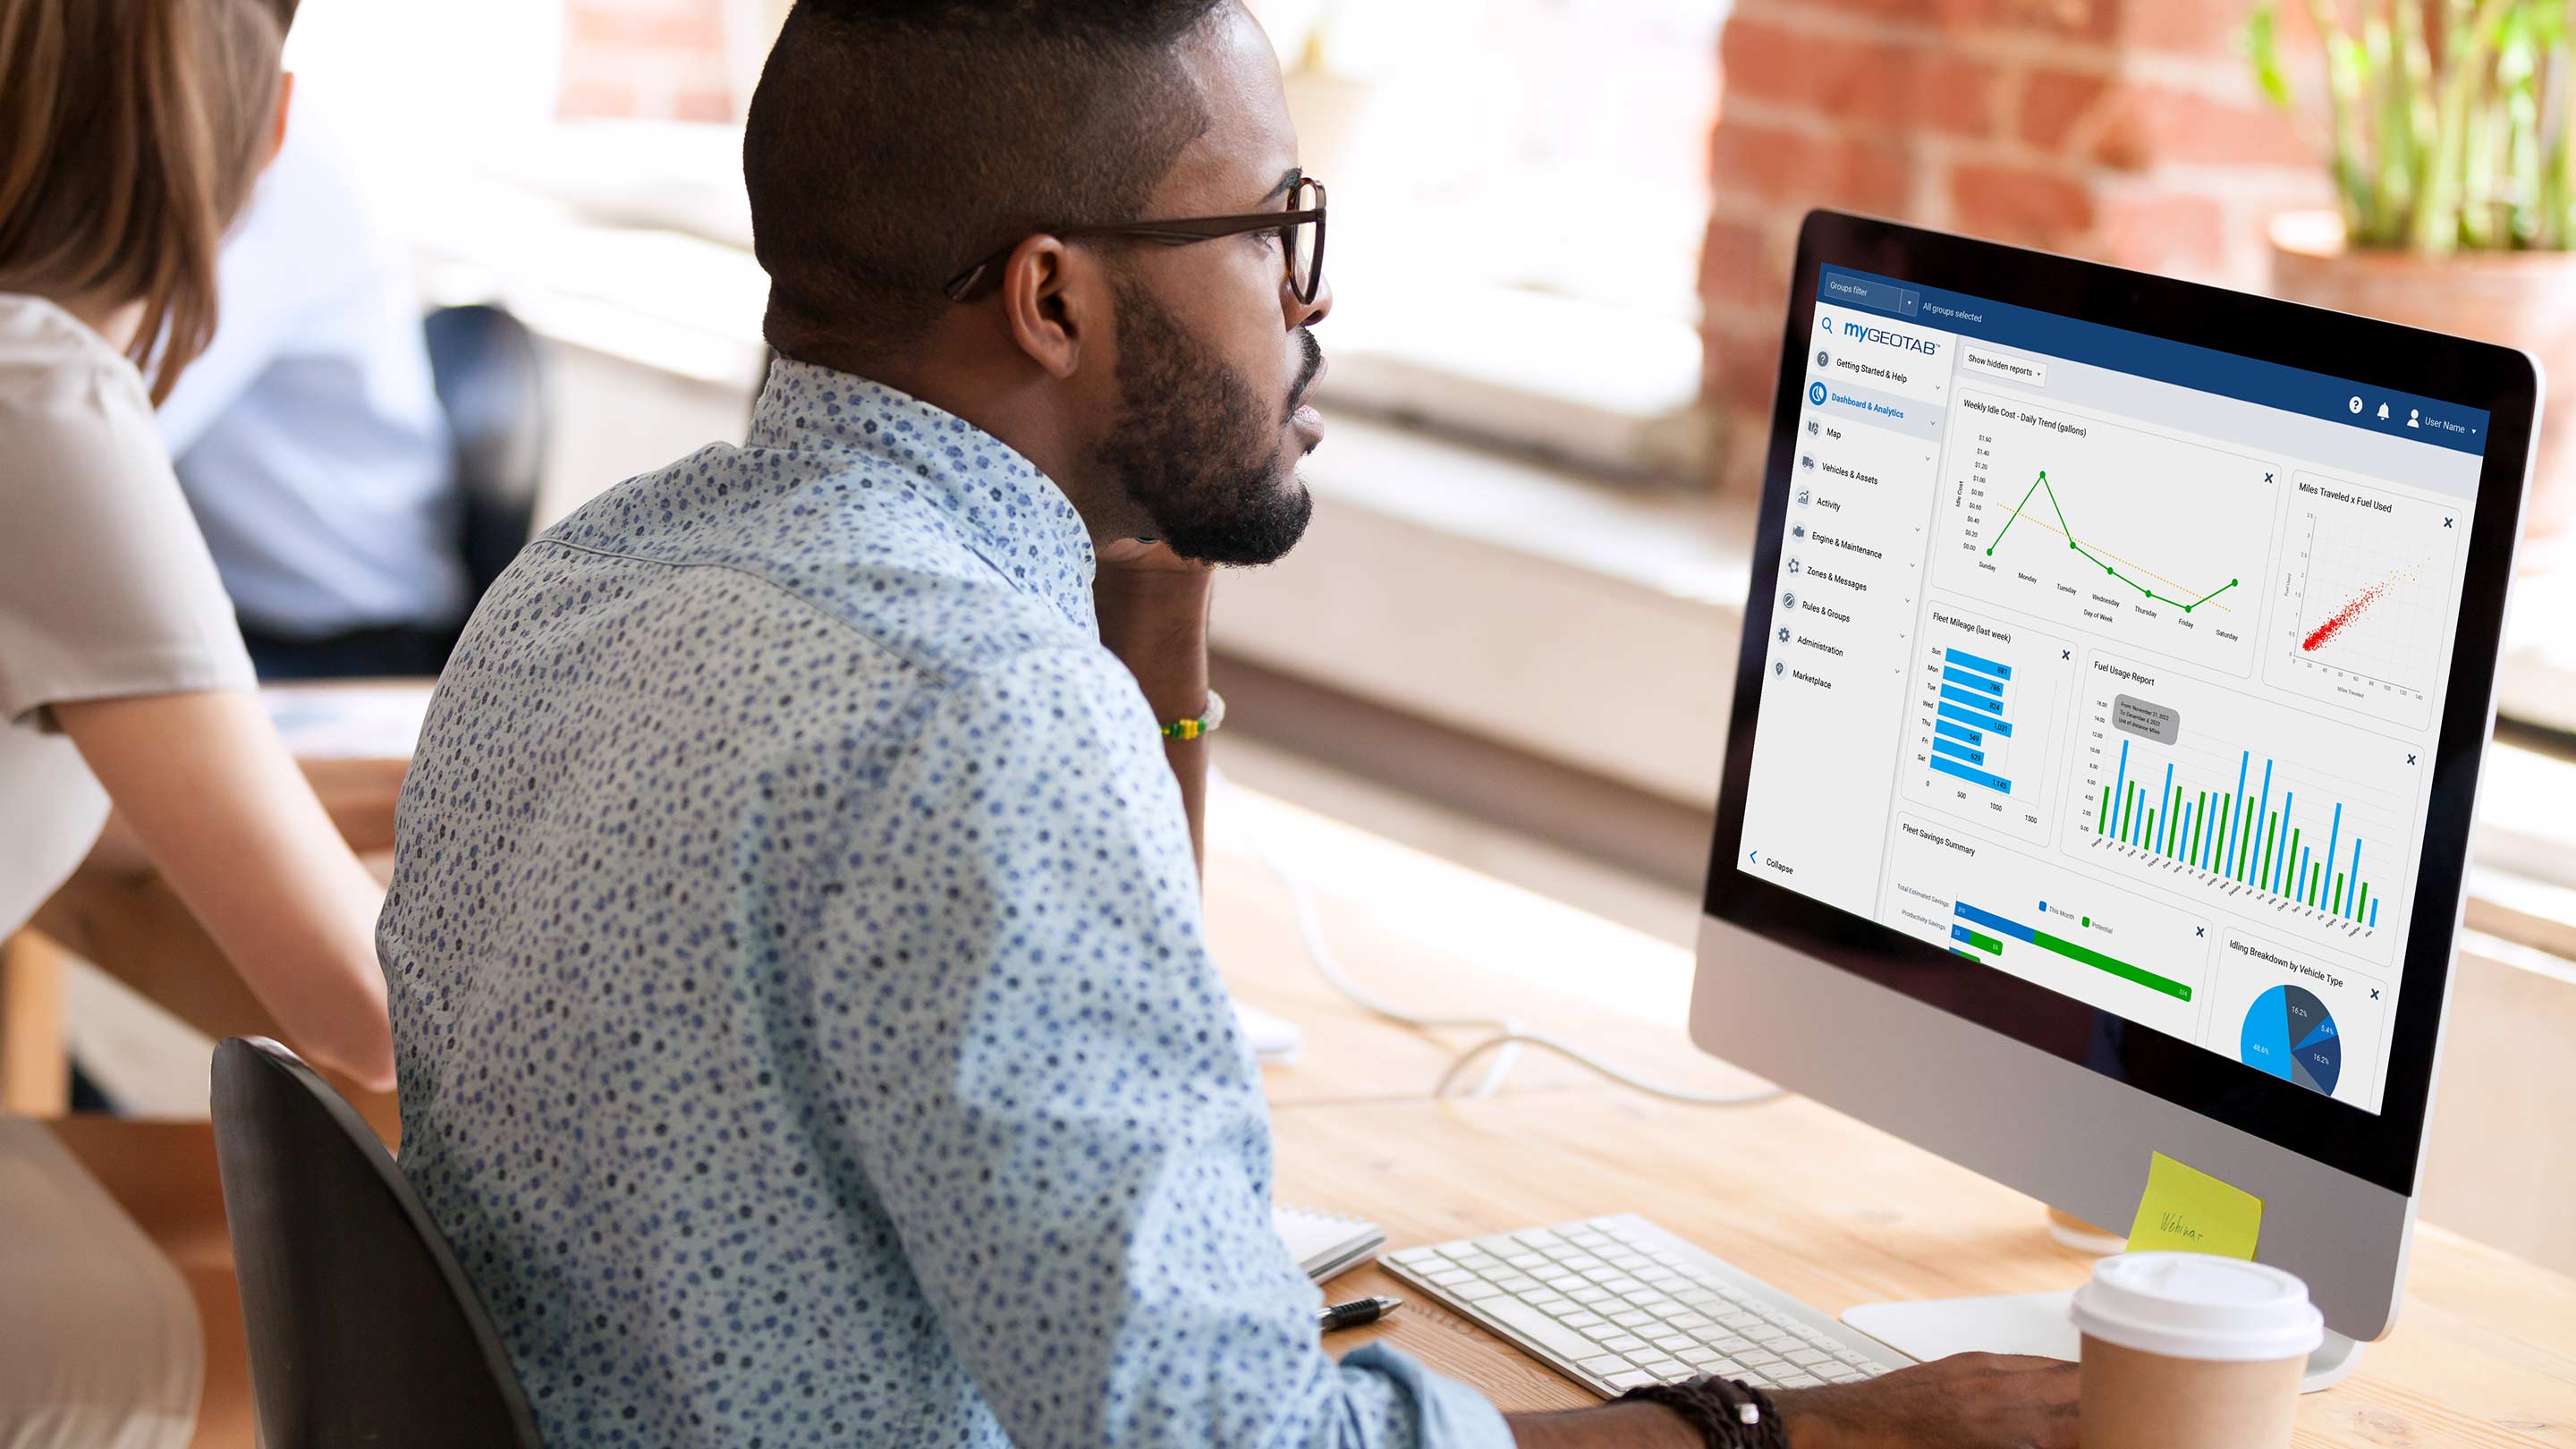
<point>1326,1244</point>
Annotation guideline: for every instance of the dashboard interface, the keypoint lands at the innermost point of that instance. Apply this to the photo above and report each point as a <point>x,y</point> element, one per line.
<point>2115,664</point>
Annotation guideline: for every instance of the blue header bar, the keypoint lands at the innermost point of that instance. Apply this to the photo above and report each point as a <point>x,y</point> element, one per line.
<point>2202,369</point>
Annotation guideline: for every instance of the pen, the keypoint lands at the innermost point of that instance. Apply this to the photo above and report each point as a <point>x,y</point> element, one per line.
<point>1356,1312</point>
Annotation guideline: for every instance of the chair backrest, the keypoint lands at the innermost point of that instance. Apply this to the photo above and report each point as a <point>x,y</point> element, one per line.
<point>363,1330</point>
<point>484,364</point>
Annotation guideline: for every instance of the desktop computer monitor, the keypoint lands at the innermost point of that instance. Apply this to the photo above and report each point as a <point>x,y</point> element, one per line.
<point>2114,685</point>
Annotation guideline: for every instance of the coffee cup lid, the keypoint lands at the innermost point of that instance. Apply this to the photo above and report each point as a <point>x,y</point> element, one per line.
<point>2191,1305</point>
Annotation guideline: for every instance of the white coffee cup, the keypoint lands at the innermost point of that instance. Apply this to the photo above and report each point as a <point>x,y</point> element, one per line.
<point>2187,1351</point>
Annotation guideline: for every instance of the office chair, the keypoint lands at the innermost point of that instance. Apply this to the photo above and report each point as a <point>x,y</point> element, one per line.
<point>362,1328</point>
<point>485,366</point>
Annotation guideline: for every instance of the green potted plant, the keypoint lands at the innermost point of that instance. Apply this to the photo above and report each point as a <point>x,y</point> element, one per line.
<point>2453,139</point>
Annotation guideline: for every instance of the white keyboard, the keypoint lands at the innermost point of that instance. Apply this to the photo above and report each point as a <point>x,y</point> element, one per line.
<point>1617,1302</point>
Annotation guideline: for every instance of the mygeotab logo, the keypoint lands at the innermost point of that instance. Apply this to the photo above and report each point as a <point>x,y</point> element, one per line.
<point>1885,338</point>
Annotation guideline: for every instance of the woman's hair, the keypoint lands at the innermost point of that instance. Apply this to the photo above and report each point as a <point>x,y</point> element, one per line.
<point>131,132</point>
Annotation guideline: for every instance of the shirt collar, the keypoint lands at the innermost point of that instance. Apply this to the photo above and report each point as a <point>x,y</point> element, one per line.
<point>1013,516</point>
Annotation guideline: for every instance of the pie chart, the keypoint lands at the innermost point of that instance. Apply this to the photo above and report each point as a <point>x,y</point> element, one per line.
<point>2289,1033</point>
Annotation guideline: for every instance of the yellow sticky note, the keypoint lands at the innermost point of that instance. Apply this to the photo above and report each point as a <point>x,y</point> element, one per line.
<point>2188,1211</point>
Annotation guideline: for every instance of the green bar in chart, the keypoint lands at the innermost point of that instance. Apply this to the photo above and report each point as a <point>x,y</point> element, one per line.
<point>2361,903</point>
<point>2122,969</point>
<point>2149,837</point>
<point>1984,942</point>
<point>2338,894</point>
<point>2199,826</point>
<point>2271,828</point>
<point>2105,827</point>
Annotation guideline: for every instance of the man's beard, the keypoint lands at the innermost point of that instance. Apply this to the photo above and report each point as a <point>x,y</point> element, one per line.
<point>1195,449</point>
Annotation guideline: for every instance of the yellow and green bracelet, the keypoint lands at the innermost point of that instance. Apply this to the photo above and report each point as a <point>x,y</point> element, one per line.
<point>1190,729</point>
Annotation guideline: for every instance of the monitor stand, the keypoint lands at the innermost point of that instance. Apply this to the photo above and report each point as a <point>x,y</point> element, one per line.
<point>2032,1323</point>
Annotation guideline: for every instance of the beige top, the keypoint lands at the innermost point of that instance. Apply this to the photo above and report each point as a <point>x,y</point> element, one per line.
<point>106,589</point>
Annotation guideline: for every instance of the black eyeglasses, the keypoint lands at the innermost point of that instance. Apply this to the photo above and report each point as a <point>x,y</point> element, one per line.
<point>1301,233</point>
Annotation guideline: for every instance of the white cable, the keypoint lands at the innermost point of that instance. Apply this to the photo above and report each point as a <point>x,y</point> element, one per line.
<point>1508,1035</point>
<point>1508,1040</point>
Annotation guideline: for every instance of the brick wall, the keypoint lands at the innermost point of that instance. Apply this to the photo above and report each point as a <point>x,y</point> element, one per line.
<point>659,60</point>
<point>2123,130</point>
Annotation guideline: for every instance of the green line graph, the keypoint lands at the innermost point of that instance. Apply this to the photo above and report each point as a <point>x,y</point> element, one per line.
<point>2040,485</point>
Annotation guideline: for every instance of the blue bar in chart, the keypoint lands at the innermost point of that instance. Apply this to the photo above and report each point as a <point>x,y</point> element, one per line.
<point>1965,660</point>
<point>1982,721</point>
<point>1971,774</point>
<point>1972,706</point>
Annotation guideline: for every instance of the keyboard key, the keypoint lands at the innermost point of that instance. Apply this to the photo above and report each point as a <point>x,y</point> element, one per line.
<point>1593,1295</point>
<point>1581,1320</point>
<point>1554,1305</point>
<point>1540,1329</point>
<point>1625,1343</point>
<point>1629,1379</point>
<point>1563,1282</point>
<point>1666,1369</point>
<point>1479,1293</point>
<point>1846,1376</point>
<point>1674,1342</point>
<point>1608,1363</point>
<point>1688,1320</point>
<point>1799,1381</point>
<point>1632,1319</point>
<point>1809,1357</point>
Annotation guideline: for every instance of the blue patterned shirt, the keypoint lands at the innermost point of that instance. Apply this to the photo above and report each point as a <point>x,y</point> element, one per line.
<point>805,1028</point>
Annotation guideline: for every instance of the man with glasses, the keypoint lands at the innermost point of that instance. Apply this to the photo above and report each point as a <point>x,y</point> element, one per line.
<point>805,1027</point>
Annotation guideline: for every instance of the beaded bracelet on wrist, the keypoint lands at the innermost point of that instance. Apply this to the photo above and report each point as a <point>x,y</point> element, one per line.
<point>1727,1414</point>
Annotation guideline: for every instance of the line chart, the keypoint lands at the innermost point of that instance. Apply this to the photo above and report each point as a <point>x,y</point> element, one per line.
<point>2100,530</point>
<point>2040,484</point>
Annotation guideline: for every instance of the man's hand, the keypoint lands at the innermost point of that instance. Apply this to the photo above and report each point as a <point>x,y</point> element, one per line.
<point>1970,1401</point>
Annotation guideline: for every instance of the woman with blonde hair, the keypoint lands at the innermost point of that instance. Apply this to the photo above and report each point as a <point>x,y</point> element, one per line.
<point>131,132</point>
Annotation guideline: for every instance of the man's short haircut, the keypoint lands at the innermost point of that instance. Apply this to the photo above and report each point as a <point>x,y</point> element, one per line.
<point>892,143</point>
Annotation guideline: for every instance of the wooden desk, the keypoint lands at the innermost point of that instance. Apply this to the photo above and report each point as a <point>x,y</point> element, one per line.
<point>1828,1209</point>
<point>1814,1202</point>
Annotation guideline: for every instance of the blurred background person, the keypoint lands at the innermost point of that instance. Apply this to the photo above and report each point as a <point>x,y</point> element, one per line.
<point>309,441</point>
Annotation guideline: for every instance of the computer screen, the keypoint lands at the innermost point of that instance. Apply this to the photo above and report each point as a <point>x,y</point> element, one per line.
<point>2116,664</point>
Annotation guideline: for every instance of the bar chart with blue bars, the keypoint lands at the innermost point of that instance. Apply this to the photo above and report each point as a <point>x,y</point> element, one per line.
<point>2306,832</point>
<point>1993,703</point>
<point>1972,690</point>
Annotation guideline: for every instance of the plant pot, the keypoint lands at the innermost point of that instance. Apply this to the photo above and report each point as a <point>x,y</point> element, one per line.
<point>2518,299</point>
